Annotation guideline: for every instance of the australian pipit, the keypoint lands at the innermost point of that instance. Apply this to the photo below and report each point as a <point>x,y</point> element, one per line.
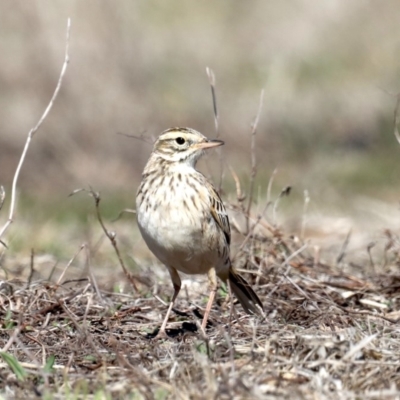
<point>183,220</point>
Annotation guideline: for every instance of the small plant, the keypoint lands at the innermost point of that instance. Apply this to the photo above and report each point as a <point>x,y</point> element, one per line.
<point>14,365</point>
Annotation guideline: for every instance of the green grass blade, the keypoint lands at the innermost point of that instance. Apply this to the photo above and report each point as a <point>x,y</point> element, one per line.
<point>16,367</point>
<point>48,368</point>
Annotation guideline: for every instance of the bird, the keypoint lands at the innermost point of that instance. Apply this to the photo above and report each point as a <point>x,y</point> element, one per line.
<point>183,220</point>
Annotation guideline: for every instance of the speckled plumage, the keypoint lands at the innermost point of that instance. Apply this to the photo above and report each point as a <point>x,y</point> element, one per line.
<point>182,218</point>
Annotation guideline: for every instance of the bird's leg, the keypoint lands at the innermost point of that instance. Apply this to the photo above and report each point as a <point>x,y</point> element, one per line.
<point>176,281</point>
<point>212,278</point>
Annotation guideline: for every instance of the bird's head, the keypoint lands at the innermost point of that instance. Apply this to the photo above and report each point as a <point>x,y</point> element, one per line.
<point>183,145</point>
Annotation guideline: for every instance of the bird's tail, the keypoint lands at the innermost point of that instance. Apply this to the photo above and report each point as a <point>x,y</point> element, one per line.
<point>245,294</point>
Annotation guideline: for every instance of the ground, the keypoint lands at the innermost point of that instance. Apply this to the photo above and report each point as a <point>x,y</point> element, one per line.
<point>330,329</point>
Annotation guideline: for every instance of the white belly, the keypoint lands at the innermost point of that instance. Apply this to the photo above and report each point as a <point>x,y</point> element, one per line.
<point>174,231</point>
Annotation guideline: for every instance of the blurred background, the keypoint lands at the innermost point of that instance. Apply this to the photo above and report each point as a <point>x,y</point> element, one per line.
<point>330,71</point>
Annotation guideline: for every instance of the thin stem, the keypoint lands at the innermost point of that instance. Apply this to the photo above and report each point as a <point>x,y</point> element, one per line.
<point>112,237</point>
<point>33,131</point>
<point>396,119</point>
<point>211,80</point>
<point>253,158</point>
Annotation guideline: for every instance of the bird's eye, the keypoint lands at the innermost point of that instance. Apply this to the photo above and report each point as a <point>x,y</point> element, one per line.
<point>180,140</point>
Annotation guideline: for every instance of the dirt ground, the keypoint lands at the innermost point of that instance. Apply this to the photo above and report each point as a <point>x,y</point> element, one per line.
<point>331,330</point>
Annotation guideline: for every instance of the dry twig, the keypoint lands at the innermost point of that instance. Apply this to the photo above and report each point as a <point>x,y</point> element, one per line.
<point>211,80</point>
<point>111,235</point>
<point>32,133</point>
<point>397,119</point>
<point>253,173</point>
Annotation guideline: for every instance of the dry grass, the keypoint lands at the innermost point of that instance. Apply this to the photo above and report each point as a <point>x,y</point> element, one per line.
<point>331,332</point>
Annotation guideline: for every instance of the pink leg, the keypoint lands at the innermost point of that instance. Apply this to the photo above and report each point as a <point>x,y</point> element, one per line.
<point>176,281</point>
<point>212,278</point>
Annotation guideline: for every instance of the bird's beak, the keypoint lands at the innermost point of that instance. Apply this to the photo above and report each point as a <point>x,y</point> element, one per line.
<point>209,144</point>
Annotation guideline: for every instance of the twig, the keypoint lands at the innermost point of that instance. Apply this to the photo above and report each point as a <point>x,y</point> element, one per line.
<point>211,80</point>
<point>142,137</point>
<point>11,340</point>
<point>344,248</point>
<point>253,158</point>
<point>251,231</point>
<point>371,260</point>
<point>284,192</point>
<point>240,196</point>
<point>32,268</point>
<point>111,236</point>
<point>126,210</point>
<point>33,131</point>
<point>2,196</point>
<point>350,311</point>
<point>359,346</point>
<point>271,180</point>
<point>293,255</point>
<point>247,237</point>
<point>269,190</point>
<point>52,271</point>
<point>397,119</point>
<point>90,273</point>
<point>304,219</point>
<point>69,264</point>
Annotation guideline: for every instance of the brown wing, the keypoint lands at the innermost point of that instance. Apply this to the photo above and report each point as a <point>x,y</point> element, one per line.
<point>219,214</point>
